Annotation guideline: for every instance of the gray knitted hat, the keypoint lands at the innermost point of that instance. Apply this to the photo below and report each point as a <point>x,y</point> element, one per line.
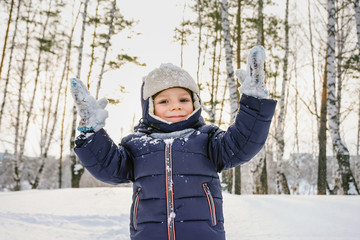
<point>167,76</point>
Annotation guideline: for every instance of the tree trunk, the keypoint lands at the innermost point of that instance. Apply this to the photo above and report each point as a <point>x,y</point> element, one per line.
<point>260,24</point>
<point>76,167</point>
<point>10,62</point>
<point>18,160</point>
<point>237,170</point>
<point>357,17</point>
<point>341,151</point>
<point>67,70</point>
<point>234,94</point>
<point>6,37</point>
<point>321,181</point>
<point>357,162</point>
<point>279,136</point>
<point>313,64</point>
<point>229,67</point>
<point>199,22</point>
<point>36,80</point>
<point>107,44</point>
<point>92,56</point>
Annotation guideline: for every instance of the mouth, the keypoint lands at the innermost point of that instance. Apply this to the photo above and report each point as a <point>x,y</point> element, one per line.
<point>176,118</point>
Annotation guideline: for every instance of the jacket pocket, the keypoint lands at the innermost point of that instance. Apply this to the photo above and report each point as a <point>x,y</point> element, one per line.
<point>211,203</point>
<point>135,207</point>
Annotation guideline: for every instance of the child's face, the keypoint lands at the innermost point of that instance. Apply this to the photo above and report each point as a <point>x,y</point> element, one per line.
<point>173,105</point>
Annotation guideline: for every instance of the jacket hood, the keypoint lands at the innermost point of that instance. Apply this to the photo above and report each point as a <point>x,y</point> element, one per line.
<point>150,124</point>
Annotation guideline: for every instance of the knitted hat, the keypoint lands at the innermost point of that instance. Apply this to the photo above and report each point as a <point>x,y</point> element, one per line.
<point>167,76</point>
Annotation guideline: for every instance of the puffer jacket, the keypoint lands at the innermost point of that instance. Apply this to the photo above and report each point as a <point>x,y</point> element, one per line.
<point>177,191</point>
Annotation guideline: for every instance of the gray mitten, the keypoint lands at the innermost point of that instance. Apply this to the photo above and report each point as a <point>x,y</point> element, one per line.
<point>252,80</point>
<point>92,112</point>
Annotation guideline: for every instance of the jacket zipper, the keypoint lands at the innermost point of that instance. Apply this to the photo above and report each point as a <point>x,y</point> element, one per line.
<point>169,192</point>
<point>136,206</point>
<point>211,203</point>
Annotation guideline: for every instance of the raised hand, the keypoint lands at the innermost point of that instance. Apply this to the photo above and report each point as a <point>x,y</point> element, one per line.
<point>252,80</point>
<point>92,112</point>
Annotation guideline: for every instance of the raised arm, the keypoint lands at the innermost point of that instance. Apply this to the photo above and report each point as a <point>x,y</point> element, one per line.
<point>101,157</point>
<point>247,135</point>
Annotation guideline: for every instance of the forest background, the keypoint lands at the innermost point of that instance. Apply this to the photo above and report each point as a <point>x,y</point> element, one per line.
<point>312,69</point>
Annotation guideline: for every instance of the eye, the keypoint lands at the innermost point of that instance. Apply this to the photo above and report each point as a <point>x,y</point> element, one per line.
<point>162,102</point>
<point>185,100</point>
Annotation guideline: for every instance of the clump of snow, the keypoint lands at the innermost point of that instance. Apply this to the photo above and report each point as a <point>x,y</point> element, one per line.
<point>169,141</point>
<point>78,167</point>
<point>171,216</point>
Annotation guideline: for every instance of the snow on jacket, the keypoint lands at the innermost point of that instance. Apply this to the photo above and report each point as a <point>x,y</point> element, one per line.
<point>177,191</point>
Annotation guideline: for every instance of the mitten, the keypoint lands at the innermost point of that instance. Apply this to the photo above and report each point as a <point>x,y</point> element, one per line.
<point>92,112</point>
<point>252,80</point>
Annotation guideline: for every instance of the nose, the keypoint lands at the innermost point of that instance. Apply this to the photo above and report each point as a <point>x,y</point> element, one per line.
<point>175,107</point>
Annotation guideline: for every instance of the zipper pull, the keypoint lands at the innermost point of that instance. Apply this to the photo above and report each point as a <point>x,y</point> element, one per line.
<point>137,191</point>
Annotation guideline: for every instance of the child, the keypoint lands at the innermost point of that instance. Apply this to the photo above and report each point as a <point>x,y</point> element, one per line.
<point>173,157</point>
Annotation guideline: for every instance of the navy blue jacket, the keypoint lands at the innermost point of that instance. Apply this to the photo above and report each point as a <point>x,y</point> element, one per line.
<point>177,191</point>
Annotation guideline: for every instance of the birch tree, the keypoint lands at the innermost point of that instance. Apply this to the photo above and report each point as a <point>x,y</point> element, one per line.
<point>65,74</point>
<point>9,68</point>
<point>229,65</point>
<point>341,151</point>
<point>18,162</point>
<point>199,24</point>
<point>95,20</point>
<point>282,185</point>
<point>6,36</point>
<point>357,163</point>
<point>229,69</point>
<point>49,109</point>
<point>43,42</point>
<point>357,18</point>
<point>76,167</point>
<point>181,34</point>
<point>258,165</point>
<point>106,47</point>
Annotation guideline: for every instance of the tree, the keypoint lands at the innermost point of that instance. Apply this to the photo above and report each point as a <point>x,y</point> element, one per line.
<point>66,71</point>
<point>95,20</point>
<point>10,62</point>
<point>6,37</point>
<point>106,47</point>
<point>341,151</point>
<point>282,185</point>
<point>49,110</point>
<point>357,18</point>
<point>237,169</point>
<point>18,162</point>
<point>321,181</point>
<point>76,167</point>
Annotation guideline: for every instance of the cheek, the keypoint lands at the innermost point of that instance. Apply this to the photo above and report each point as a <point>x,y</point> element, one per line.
<point>158,110</point>
<point>189,108</point>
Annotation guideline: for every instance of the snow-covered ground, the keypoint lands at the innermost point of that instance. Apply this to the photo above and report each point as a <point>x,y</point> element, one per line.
<point>103,213</point>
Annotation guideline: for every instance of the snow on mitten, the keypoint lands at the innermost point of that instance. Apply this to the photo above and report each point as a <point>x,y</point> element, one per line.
<point>252,80</point>
<point>92,112</point>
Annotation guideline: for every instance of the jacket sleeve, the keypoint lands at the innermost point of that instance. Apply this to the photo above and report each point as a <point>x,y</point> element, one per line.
<point>105,160</point>
<point>244,138</point>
